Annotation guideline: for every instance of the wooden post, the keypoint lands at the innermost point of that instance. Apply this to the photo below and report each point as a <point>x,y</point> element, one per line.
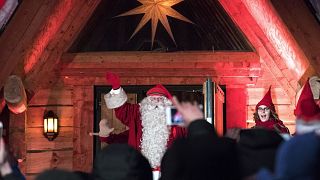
<point>82,97</point>
<point>17,143</point>
<point>15,94</point>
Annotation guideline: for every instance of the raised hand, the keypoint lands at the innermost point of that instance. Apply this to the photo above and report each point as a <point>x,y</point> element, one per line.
<point>113,80</point>
<point>190,112</point>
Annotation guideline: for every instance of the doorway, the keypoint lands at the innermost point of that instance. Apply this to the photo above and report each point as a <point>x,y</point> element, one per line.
<point>135,95</point>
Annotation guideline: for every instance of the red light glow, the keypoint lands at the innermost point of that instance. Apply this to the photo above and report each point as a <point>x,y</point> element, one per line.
<point>278,34</point>
<point>47,33</point>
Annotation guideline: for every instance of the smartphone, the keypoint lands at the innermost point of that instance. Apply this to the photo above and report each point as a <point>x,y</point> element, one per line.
<point>1,129</point>
<point>173,116</point>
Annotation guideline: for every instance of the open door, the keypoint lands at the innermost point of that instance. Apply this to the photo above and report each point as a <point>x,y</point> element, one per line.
<point>214,105</point>
<point>135,95</point>
<point>218,109</point>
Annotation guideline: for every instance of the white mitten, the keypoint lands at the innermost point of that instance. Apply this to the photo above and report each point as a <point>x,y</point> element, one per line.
<point>104,128</point>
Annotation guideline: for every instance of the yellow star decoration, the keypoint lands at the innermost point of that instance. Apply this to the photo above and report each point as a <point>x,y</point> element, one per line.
<point>156,10</point>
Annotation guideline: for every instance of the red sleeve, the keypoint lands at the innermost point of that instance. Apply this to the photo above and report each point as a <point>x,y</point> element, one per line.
<point>116,138</point>
<point>127,113</point>
<point>176,132</point>
<point>180,132</point>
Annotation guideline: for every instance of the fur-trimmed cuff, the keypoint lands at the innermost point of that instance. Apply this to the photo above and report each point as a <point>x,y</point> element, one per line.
<point>302,127</point>
<point>115,99</point>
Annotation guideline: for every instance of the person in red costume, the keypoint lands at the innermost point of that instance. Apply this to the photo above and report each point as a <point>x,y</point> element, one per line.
<point>307,112</point>
<point>148,131</point>
<point>266,116</point>
<point>315,88</point>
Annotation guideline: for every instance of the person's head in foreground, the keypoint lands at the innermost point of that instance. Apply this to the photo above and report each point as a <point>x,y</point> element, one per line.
<point>59,174</point>
<point>119,162</point>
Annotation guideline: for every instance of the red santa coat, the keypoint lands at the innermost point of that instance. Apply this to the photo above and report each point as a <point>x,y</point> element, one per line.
<point>129,115</point>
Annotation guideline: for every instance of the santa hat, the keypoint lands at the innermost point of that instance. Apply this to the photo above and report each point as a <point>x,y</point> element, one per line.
<point>267,101</point>
<point>307,109</point>
<point>159,90</point>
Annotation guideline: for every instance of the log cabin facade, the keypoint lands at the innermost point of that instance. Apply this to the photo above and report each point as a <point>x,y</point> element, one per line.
<point>50,45</point>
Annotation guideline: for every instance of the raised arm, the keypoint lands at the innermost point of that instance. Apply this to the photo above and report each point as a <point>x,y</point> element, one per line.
<point>116,99</point>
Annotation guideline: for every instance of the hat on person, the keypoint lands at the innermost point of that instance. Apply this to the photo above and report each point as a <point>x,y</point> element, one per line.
<point>297,158</point>
<point>159,90</point>
<point>307,109</point>
<point>267,101</point>
<point>256,149</point>
<point>121,161</point>
<point>60,174</point>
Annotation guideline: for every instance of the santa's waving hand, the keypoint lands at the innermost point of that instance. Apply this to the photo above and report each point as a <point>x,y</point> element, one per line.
<point>190,111</point>
<point>113,79</point>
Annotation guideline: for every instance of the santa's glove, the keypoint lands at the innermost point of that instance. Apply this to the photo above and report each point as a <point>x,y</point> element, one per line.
<point>113,80</point>
<point>105,132</point>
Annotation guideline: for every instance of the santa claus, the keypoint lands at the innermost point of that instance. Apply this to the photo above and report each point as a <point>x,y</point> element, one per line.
<point>148,131</point>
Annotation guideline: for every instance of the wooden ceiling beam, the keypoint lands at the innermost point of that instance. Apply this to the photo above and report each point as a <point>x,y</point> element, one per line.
<point>304,28</point>
<point>163,65</point>
<point>138,56</point>
<point>44,73</point>
<point>165,72</point>
<point>19,33</point>
<point>77,80</point>
<point>271,39</point>
<point>133,60</point>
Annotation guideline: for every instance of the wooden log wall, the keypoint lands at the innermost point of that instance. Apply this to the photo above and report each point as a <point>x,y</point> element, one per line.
<point>42,154</point>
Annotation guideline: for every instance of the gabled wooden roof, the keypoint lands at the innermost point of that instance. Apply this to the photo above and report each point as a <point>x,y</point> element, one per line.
<point>213,29</point>
<point>41,33</point>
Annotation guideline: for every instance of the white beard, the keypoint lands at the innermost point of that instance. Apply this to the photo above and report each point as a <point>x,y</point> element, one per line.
<point>155,132</point>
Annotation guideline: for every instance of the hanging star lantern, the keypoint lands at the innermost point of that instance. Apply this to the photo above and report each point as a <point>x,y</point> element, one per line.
<point>156,10</point>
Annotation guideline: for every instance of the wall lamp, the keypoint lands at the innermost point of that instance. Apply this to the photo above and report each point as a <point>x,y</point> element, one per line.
<point>50,125</point>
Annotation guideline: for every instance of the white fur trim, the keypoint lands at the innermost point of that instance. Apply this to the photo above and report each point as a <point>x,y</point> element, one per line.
<point>315,86</point>
<point>156,175</point>
<point>303,127</point>
<point>115,98</point>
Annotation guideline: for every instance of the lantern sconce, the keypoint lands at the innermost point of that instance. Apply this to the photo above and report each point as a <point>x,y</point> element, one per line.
<point>50,125</point>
